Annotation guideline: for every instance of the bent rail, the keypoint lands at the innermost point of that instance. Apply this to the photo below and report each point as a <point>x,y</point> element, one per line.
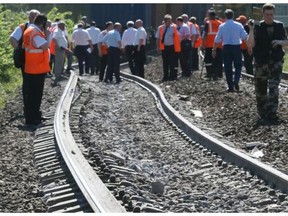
<point>96,193</point>
<point>272,176</point>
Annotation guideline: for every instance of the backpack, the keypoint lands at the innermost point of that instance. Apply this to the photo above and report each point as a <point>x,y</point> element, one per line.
<point>19,52</point>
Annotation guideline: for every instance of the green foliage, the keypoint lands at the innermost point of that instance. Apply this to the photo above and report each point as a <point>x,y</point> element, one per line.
<point>285,66</point>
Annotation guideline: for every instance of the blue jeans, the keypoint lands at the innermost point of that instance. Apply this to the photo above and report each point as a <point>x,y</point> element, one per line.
<point>232,54</point>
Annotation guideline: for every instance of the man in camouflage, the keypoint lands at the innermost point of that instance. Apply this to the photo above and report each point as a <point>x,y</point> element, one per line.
<point>267,39</point>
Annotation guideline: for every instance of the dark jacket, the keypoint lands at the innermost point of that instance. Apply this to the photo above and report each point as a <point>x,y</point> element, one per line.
<point>263,50</point>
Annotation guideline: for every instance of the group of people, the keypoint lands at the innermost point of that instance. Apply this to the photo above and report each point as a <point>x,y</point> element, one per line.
<point>223,42</point>
<point>179,43</point>
<point>107,46</point>
<point>46,46</point>
<point>265,41</point>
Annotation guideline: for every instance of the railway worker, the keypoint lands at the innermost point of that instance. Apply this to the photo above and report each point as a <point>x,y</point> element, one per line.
<point>231,34</point>
<point>37,56</point>
<point>197,43</point>
<point>267,39</point>
<point>127,45</point>
<point>140,48</point>
<point>213,65</point>
<point>60,47</point>
<point>85,22</point>
<point>53,27</point>
<point>185,19</point>
<point>113,40</point>
<point>247,53</point>
<point>168,41</point>
<point>103,49</point>
<point>186,47</point>
<point>94,55</point>
<point>16,40</point>
<point>82,41</point>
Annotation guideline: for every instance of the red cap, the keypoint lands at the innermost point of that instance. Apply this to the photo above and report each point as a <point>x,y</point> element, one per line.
<point>241,18</point>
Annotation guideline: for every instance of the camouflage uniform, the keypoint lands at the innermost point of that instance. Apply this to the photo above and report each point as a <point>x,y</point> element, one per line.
<point>267,75</point>
<point>268,67</point>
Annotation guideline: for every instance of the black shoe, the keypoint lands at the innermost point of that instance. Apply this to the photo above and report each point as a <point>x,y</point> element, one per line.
<point>236,85</point>
<point>44,118</point>
<point>262,121</point>
<point>230,90</point>
<point>164,79</point>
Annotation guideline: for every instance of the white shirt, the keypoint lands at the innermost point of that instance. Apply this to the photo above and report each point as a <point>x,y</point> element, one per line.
<point>59,36</point>
<point>193,30</point>
<point>80,37</point>
<point>112,38</point>
<point>141,34</point>
<point>128,36</point>
<point>38,41</point>
<point>94,34</point>
<point>101,36</point>
<point>17,33</point>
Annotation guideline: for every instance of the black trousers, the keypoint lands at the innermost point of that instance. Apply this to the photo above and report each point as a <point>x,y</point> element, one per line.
<point>140,59</point>
<point>129,51</point>
<point>82,55</point>
<point>94,60</point>
<point>195,59</point>
<point>103,66</point>
<point>248,61</point>
<point>113,64</point>
<point>185,62</point>
<point>33,86</point>
<point>170,63</point>
<point>214,66</point>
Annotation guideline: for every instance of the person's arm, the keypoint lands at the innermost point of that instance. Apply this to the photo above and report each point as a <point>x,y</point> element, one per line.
<point>13,42</point>
<point>250,40</point>
<point>204,35</point>
<point>284,42</point>
<point>15,37</point>
<point>217,41</point>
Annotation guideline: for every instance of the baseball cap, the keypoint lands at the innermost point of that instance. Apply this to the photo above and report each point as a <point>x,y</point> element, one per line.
<point>241,18</point>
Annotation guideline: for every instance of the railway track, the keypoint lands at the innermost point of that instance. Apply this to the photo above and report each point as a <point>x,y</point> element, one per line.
<point>66,197</point>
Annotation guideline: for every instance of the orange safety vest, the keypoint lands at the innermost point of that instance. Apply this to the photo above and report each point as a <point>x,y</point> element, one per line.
<point>176,37</point>
<point>52,43</point>
<point>213,26</point>
<point>36,60</point>
<point>104,48</point>
<point>198,41</point>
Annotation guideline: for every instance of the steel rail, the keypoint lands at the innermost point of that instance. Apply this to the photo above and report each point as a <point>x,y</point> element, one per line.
<point>96,193</point>
<point>272,176</point>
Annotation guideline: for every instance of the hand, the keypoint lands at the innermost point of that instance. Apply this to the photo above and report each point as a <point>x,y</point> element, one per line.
<point>214,53</point>
<point>250,51</point>
<point>276,43</point>
<point>251,24</point>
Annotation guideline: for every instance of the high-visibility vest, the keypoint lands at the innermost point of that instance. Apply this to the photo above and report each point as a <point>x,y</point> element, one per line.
<point>104,47</point>
<point>176,38</point>
<point>198,41</point>
<point>244,45</point>
<point>213,26</point>
<point>52,43</point>
<point>36,60</point>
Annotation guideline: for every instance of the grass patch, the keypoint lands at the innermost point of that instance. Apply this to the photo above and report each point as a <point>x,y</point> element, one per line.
<point>285,67</point>
<point>9,85</point>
